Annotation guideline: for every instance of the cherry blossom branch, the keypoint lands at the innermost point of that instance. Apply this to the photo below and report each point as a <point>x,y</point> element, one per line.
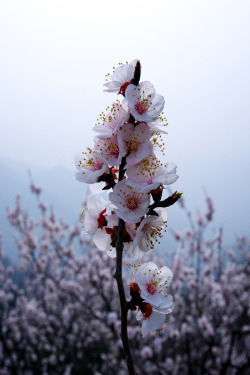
<point>125,140</point>
<point>119,251</point>
<point>172,199</point>
<point>118,276</point>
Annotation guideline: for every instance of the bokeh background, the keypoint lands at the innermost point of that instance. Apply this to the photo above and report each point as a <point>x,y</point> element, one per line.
<point>54,57</point>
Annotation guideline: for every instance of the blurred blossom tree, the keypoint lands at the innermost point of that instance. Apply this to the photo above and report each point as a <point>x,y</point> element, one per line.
<point>64,317</point>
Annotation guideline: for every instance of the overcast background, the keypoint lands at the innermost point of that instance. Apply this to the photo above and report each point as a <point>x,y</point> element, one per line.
<point>54,57</point>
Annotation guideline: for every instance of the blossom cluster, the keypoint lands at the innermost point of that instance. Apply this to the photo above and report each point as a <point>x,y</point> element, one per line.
<point>59,311</point>
<point>125,158</point>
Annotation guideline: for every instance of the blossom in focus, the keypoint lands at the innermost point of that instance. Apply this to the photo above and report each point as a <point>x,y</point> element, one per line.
<point>152,319</point>
<point>90,166</point>
<point>104,241</point>
<point>154,284</point>
<point>105,237</point>
<point>121,78</point>
<point>131,204</point>
<point>150,173</point>
<point>134,141</point>
<point>94,216</point>
<point>108,149</point>
<point>99,224</point>
<point>109,124</point>
<point>144,103</point>
<point>150,229</point>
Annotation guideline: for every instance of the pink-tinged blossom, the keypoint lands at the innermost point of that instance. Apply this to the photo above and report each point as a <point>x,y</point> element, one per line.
<point>150,173</point>
<point>206,327</point>
<point>90,166</point>
<point>121,78</point>
<point>108,149</point>
<point>97,223</point>
<point>147,352</point>
<point>34,334</point>
<point>152,319</point>
<point>94,216</point>
<point>144,103</point>
<point>154,284</point>
<point>135,141</point>
<point>109,124</point>
<point>103,241</point>
<point>150,229</point>
<point>131,204</point>
<point>104,238</point>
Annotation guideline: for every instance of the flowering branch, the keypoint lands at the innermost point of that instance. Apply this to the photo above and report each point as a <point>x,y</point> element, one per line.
<point>125,159</point>
<point>62,315</point>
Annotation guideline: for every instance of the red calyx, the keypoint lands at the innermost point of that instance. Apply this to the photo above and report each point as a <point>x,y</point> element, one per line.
<point>146,310</point>
<point>111,231</point>
<point>135,291</point>
<point>123,88</point>
<point>102,222</point>
<point>113,172</point>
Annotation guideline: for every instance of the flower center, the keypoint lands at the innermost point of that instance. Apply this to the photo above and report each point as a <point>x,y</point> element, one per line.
<point>133,145</point>
<point>150,180</point>
<point>152,287</point>
<point>141,106</point>
<point>93,165</point>
<point>113,150</point>
<point>132,202</point>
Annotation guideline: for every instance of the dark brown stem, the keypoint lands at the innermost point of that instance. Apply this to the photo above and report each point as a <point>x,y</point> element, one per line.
<point>123,301</point>
<point>137,75</point>
<point>121,169</point>
<point>172,199</point>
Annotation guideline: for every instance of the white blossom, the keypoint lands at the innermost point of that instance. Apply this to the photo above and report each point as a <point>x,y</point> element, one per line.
<point>144,103</point>
<point>134,141</point>
<point>110,123</point>
<point>131,204</point>
<point>152,321</point>
<point>150,228</point>
<point>108,149</point>
<point>154,285</point>
<point>121,78</point>
<point>94,215</point>
<point>90,166</point>
<point>150,173</point>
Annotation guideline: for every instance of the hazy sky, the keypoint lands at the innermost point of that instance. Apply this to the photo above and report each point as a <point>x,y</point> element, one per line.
<point>54,57</point>
<point>55,54</point>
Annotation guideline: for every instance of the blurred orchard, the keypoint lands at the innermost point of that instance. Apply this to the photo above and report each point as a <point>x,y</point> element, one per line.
<point>59,307</point>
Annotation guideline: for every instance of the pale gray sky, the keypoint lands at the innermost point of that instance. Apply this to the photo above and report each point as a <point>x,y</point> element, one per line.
<point>55,54</point>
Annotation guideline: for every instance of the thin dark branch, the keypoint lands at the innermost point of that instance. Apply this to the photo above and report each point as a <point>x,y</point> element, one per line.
<point>121,169</point>
<point>172,199</point>
<point>123,301</point>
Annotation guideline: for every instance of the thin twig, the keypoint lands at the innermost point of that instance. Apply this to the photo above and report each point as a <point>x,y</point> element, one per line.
<point>123,301</point>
